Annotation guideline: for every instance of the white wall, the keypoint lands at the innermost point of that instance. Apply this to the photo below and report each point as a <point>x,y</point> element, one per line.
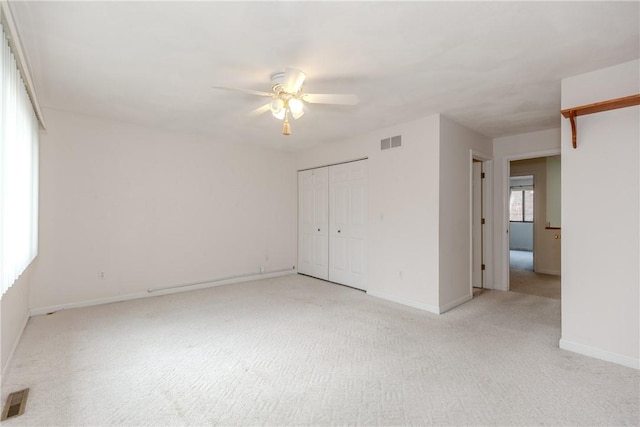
<point>554,186</point>
<point>14,313</point>
<point>521,236</point>
<point>600,211</point>
<point>505,149</point>
<point>403,194</point>
<point>153,209</point>
<point>456,143</point>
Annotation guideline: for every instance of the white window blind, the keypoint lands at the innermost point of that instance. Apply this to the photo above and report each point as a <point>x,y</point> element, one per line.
<point>18,172</point>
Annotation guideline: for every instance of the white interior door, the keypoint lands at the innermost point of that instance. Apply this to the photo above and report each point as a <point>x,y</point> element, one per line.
<point>476,225</point>
<point>313,223</point>
<point>348,223</point>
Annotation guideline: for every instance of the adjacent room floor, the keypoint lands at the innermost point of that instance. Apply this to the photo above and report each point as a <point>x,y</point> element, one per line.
<point>523,279</point>
<point>300,351</point>
<point>521,260</point>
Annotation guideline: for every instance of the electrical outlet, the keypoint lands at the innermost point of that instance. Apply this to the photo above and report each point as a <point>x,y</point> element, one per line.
<point>101,275</point>
<point>262,269</point>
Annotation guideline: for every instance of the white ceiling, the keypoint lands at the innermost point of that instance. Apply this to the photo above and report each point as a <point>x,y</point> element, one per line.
<point>494,67</point>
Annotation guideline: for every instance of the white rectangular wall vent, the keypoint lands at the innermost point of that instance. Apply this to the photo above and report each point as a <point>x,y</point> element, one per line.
<point>391,142</point>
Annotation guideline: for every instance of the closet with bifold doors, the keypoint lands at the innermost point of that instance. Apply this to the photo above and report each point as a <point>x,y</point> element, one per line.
<point>332,223</point>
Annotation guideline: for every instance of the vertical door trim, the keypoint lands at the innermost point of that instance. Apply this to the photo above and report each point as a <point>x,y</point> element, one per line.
<point>488,275</point>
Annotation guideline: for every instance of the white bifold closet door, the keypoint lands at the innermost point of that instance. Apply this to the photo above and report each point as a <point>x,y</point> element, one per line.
<point>346,210</point>
<point>348,223</point>
<point>313,222</point>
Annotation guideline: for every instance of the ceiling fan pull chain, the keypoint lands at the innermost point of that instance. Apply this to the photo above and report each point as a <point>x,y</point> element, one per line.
<point>286,127</point>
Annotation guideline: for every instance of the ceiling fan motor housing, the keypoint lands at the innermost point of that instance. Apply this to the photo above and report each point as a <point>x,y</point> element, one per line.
<point>277,79</point>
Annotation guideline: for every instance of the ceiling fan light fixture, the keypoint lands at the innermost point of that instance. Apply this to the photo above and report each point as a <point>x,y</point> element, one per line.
<point>295,106</point>
<point>280,114</point>
<point>277,107</point>
<point>288,99</point>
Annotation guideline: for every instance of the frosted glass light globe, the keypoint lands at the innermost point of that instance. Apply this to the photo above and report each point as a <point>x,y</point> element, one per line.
<point>296,106</point>
<point>277,106</point>
<point>280,114</point>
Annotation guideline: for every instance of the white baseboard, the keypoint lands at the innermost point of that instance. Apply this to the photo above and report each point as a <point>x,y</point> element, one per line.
<point>154,293</point>
<point>221,282</point>
<point>15,345</point>
<point>410,303</point>
<point>455,303</point>
<point>597,353</point>
<point>88,303</point>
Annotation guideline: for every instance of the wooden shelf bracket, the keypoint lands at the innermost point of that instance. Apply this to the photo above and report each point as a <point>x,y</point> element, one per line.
<point>574,130</point>
<point>598,107</point>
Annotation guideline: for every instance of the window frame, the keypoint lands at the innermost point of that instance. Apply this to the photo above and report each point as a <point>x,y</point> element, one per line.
<point>523,220</point>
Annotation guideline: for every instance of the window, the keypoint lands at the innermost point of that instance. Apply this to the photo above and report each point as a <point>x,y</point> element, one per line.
<point>18,172</point>
<point>521,205</point>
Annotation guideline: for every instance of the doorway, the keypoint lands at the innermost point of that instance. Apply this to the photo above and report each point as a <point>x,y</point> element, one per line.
<point>521,220</point>
<point>534,226</point>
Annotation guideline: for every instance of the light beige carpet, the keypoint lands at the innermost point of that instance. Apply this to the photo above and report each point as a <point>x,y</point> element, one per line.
<point>531,283</point>
<point>299,351</point>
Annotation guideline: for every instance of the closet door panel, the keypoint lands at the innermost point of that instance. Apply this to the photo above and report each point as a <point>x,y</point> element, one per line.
<point>313,223</point>
<point>320,256</point>
<point>338,262</point>
<point>348,223</point>
<point>357,256</point>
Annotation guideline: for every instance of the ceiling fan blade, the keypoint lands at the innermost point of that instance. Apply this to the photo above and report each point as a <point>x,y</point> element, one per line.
<point>260,110</point>
<point>330,98</point>
<point>247,91</point>
<point>293,79</point>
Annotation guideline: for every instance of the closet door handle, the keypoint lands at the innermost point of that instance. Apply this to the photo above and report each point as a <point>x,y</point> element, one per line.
<point>318,229</point>
<point>338,231</point>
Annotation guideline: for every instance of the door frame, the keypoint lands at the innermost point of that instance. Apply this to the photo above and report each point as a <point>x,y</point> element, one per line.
<point>487,198</point>
<point>506,173</point>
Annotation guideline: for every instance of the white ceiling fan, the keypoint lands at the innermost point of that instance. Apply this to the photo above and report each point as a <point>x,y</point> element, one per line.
<point>289,99</point>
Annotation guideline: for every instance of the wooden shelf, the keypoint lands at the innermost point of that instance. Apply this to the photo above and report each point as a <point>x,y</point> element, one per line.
<point>598,107</point>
